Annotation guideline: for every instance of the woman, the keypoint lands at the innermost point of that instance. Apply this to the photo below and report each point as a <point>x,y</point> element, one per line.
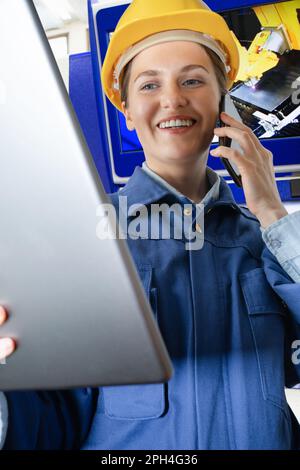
<point>228,312</point>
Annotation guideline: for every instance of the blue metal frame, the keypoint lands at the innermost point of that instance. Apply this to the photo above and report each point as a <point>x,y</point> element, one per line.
<point>125,162</point>
<point>99,97</point>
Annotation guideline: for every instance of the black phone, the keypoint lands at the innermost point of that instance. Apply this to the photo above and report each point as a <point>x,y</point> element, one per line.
<point>228,106</point>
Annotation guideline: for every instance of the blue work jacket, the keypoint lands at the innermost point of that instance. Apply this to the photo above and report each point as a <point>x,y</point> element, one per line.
<point>228,314</point>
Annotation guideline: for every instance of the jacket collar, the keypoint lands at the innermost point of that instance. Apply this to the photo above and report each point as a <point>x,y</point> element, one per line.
<point>212,176</point>
<point>142,189</point>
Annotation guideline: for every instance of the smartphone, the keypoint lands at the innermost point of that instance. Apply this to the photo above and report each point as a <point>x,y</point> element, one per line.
<point>228,106</point>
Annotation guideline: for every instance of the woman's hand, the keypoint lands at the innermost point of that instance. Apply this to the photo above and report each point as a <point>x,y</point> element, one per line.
<point>256,169</point>
<point>7,345</point>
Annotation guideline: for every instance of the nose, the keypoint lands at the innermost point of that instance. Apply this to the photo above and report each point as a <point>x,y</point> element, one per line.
<point>173,96</point>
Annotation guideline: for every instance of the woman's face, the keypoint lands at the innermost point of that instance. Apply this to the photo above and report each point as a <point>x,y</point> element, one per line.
<point>169,80</point>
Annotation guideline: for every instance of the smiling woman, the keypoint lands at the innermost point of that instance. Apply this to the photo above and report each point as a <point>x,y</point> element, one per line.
<point>183,91</point>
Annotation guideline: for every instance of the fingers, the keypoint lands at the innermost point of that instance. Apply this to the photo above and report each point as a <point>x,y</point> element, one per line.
<point>229,153</point>
<point>3,315</point>
<point>245,165</point>
<point>230,121</point>
<point>249,143</point>
<point>242,138</point>
<point>7,345</point>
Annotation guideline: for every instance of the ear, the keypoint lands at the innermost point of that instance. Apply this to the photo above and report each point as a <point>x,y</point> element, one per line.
<point>129,122</point>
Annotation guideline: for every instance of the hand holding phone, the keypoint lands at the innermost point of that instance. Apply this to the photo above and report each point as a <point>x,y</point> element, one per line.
<point>228,106</point>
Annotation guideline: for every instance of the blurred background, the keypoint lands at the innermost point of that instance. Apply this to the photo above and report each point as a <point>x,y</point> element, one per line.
<point>66,26</point>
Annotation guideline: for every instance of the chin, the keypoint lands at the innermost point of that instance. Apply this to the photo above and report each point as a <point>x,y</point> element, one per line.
<point>183,157</point>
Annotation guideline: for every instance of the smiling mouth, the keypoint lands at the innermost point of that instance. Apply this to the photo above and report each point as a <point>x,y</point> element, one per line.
<point>177,128</point>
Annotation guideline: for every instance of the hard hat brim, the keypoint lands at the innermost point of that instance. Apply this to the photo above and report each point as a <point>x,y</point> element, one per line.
<point>204,21</point>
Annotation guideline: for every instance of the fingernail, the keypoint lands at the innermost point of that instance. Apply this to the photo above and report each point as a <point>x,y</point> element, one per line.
<point>6,344</point>
<point>2,313</point>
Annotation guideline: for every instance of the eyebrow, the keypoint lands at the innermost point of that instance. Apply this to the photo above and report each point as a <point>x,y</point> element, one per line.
<point>187,68</point>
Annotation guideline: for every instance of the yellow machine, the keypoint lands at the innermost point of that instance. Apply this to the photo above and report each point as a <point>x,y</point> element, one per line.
<point>280,33</point>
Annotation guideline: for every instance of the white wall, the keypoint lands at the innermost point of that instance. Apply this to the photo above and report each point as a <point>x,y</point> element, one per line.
<point>64,66</point>
<point>78,42</point>
<point>78,37</point>
<point>292,206</point>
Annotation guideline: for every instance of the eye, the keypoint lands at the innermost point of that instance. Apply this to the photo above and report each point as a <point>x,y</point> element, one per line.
<point>148,85</point>
<point>191,81</point>
<point>194,80</point>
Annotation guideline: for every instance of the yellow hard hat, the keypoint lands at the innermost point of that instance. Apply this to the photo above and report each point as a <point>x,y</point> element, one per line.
<point>144,18</point>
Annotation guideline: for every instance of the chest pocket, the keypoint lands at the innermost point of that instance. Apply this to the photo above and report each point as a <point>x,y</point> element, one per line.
<point>266,314</point>
<point>132,402</point>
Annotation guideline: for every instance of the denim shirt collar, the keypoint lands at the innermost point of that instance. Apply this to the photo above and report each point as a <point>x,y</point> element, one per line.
<point>143,189</point>
<point>211,195</point>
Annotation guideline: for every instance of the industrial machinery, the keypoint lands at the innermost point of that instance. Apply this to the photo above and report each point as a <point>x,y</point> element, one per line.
<point>267,88</point>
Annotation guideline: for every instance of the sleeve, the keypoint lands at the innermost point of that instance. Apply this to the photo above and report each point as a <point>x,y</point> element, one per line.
<point>288,289</point>
<point>47,420</point>
<point>3,418</point>
<point>283,240</point>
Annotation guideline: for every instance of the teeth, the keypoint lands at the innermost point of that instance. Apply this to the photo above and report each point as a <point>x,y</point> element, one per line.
<point>177,123</point>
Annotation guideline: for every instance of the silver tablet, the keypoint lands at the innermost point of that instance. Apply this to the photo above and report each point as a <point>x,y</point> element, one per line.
<point>77,307</point>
